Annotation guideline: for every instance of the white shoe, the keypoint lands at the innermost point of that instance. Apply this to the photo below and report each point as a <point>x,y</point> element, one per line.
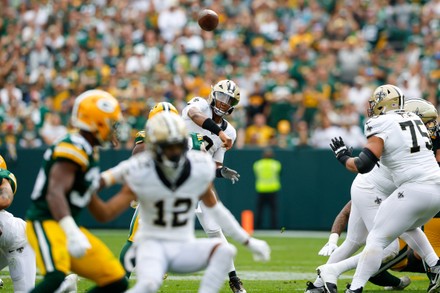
<point>69,285</point>
<point>1,283</point>
<point>329,277</point>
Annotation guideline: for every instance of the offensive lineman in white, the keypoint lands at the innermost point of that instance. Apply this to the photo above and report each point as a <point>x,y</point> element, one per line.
<point>367,192</point>
<point>205,116</point>
<point>168,181</point>
<point>15,251</point>
<point>401,141</point>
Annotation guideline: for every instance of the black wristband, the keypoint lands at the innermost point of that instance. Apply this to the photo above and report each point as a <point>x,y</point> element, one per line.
<point>210,125</point>
<point>343,159</point>
<point>218,173</point>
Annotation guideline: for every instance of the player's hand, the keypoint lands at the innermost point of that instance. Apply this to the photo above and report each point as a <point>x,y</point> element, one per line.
<point>260,249</point>
<point>77,244</point>
<point>330,246</point>
<point>129,258</point>
<point>328,249</point>
<point>230,174</point>
<point>227,141</point>
<point>340,149</point>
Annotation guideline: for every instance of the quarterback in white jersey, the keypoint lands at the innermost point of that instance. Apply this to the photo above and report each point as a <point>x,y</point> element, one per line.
<point>401,141</point>
<point>205,116</point>
<point>168,181</point>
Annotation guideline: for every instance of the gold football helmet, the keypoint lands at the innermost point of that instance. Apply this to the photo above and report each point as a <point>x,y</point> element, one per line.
<point>161,107</point>
<point>98,112</point>
<point>426,111</point>
<point>165,131</point>
<point>3,164</point>
<point>226,92</point>
<point>385,98</point>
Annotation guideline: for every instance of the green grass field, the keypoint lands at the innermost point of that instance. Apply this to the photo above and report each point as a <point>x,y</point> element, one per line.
<point>294,259</point>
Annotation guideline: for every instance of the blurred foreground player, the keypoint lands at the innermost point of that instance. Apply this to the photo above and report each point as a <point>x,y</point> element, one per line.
<point>64,186</point>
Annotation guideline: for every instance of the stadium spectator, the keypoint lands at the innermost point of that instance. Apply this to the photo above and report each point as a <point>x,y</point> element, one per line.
<point>331,51</point>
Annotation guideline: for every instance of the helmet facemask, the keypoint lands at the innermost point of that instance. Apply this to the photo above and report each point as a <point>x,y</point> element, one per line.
<point>171,154</point>
<point>219,99</point>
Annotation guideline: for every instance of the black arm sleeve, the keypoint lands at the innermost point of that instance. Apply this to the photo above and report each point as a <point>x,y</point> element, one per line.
<point>218,173</point>
<point>210,125</point>
<point>366,161</point>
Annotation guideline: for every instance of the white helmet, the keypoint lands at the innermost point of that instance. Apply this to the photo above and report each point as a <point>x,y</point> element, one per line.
<point>385,98</point>
<point>426,111</point>
<point>226,92</point>
<point>163,130</point>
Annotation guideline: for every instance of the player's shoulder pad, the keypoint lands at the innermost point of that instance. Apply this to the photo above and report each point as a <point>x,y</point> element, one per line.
<point>377,124</point>
<point>75,148</point>
<point>230,130</point>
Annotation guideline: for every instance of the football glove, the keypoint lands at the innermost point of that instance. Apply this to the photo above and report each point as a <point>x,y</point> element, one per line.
<point>77,242</point>
<point>230,174</point>
<point>129,258</point>
<point>340,150</point>
<point>330,246</point>
<point>259,248</point>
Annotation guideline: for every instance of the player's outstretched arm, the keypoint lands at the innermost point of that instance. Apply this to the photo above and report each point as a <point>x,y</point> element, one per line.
<point>366,160</point>
<point>259,248</point>
<point>109,210</point>
<point>6,194</point>
<point>207,123</point>
<point>8,187</point>
<point>339,225</point>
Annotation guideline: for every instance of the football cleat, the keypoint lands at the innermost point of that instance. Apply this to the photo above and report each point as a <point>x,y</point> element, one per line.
<point>311,288</point>
<point>404,282</point>
<point>434,278</point>
<point>236,285</point>
<point>329,278</point>
<point>348,290</point>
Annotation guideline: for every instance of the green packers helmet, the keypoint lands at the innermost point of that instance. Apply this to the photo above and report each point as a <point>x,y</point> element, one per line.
<point>385,98</point>
<point>162,107</point>
<point>164,130</point>
<point>140,137</point>
<point>226,92</point>
<point>426,111</point>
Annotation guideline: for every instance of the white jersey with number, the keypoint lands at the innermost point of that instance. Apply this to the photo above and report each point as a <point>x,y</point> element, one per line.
<point>167,210</point>
<point>217,151</point>
<point>407,147</point>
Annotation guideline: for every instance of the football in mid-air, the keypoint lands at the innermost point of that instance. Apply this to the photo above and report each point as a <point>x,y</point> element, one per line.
<point>208,19</point>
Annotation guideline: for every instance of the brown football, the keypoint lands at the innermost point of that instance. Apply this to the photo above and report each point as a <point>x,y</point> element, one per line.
<point>208,19</point>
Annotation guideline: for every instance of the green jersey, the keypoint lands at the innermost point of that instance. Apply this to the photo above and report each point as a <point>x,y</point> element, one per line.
<point>73,148</point>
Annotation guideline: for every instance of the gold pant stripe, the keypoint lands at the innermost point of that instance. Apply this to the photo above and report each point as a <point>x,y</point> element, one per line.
<point>44,247</point>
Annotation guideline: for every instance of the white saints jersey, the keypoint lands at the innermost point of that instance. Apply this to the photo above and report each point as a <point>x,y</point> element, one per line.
<point>407,147</point>
<point>167,210</point>
<point>217,151</point>
<point>379,178</point>
<point>13,232</point>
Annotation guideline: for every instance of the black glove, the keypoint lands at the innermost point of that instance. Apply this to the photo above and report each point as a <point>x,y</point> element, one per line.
<point>341,151</point>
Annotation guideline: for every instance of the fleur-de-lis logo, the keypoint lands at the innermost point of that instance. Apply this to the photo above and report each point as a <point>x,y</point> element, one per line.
<point>380,95</point>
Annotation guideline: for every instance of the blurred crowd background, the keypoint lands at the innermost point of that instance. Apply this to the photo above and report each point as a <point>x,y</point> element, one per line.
<point>306,68</point>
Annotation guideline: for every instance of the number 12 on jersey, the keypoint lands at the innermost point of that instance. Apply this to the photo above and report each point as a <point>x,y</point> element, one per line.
<point>411,125</point>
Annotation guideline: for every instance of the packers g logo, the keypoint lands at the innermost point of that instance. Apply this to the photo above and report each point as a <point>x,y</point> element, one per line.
<point>106,105</point>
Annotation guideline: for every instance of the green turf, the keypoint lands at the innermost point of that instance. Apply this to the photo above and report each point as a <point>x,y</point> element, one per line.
<point>293,257</point>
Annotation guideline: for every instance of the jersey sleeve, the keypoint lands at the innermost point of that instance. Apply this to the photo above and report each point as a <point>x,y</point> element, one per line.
<point>378,126</point>
<point>71,152</point>
<point>6,174</point>
<point>116,175</point>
